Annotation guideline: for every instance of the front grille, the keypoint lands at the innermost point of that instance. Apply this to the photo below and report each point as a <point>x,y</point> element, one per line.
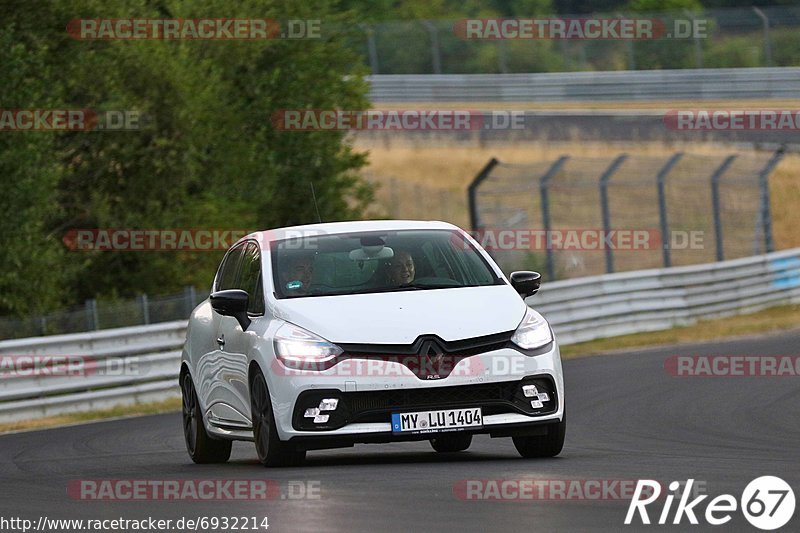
<point>429,356</point>
<point>471,346</point>
<point>377,406</point>
<point>431,397</point>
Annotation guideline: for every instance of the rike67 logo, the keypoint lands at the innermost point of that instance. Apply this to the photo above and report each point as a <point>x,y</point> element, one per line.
<point>767,503</point>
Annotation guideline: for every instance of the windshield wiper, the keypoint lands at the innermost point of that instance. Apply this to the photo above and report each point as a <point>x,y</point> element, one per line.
<point>412,286</point>
<point>396,288</point>
<point>379,289</point>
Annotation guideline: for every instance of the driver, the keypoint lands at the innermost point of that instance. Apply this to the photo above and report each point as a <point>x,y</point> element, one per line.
<point>296,274</point>
<point>401,268</point>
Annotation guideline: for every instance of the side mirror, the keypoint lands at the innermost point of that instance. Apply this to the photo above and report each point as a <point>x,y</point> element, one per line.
<point>525,282</point>
<point>232,302</point>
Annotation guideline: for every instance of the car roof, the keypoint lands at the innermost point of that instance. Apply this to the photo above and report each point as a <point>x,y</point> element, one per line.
<point>276,234</point>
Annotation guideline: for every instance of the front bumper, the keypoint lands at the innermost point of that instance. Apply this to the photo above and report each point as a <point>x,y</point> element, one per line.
<point>494,426</point>
<point>491,380</point>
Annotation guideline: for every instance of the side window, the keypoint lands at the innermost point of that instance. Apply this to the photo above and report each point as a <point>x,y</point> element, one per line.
<point>229,270</point>
<point>250,280</point>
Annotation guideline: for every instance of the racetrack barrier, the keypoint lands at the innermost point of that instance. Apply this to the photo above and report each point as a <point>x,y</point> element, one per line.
<point>580,309</point>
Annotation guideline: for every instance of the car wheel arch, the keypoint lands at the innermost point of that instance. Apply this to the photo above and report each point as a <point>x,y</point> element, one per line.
<point>252,369</point>
<point>184,371</point>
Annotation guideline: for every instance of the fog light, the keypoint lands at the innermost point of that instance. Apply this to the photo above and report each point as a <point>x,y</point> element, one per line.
<point>536,404</point>
<point>543,397</point>
<point>530,391</point>
<point>311,412</point>
<point>328,404</point>
<point>321,419</point>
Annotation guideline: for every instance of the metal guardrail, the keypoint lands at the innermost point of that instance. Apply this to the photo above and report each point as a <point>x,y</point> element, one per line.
<point>109,368</point>
<point>595,307</point>
<point>642,85</point>
<point>578,309</point>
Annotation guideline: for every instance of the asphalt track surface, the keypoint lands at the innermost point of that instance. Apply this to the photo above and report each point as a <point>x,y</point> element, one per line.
<point>628,419</point>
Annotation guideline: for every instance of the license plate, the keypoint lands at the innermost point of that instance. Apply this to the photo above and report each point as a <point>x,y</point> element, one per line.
<point>434,421</point>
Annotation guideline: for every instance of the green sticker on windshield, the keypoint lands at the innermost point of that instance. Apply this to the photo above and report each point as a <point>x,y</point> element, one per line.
<point>292,285</point>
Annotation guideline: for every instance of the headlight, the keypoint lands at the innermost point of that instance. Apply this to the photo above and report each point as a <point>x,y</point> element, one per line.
<point>299,348</point>
<point>533,332</point>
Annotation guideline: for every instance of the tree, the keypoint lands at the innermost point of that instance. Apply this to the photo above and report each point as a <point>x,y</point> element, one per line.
<point>31,257</point>
<point>206,154</point>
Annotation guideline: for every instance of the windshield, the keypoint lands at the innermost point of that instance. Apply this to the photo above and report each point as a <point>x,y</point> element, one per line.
<point>370,262</point>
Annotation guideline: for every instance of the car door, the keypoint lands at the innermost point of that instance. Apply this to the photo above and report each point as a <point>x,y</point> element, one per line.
<point>211,369</point>
<point>234,350</point>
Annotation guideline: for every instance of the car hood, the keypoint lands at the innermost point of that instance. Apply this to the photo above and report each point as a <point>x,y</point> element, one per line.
<point>400,317</point>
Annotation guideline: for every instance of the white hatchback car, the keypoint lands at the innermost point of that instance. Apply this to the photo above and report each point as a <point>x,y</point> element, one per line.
<point>328,335</point>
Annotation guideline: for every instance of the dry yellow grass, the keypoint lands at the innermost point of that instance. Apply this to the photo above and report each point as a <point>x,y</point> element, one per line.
<point>784,186</point>
<point>431,178</point>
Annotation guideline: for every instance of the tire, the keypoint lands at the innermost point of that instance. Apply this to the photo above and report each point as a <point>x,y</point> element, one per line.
<point>272,451</point>
<point>452,443</point>
<point>202,448</point>
<point>548,445</point>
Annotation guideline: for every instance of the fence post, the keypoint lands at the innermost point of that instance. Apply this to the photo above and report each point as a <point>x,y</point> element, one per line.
<point>629,49</point>
<point>43,324</point>
<point>582,55</point>
<point>715,177</point>
<point>631,55</point>
<point>767,44</point>
<point>445,214</point>
<point>393,197</point>
<point>92,324</point>
<point>604,178</point>
<point>662,205</point>
<point>502,56</point>
<point>145,305</point>
<point>190,299</point>
<point>472,194</point>
<point>544,183</point>
<point>562,44</point>
<point>372,49</point>
<point>763,185</point>
<point>698,46</point>
<point>436,58</point>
